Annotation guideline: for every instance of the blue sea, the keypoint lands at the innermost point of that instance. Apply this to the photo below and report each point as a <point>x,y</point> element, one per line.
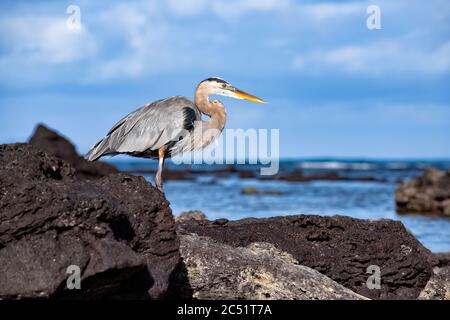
<point>219,196</point>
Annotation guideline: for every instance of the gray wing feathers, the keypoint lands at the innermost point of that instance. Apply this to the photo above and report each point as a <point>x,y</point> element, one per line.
<point>148,128</point>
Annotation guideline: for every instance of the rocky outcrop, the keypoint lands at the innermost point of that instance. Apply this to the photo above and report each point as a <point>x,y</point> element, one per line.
<point>189,173</point>
<point>58,211</point>
<point>256,191</point>
<point>213,270</point>
<point>193,214</point>
<point>299,176</point>
<point>429,193</point>
<point>341,248</point>
<point>56,145</point>
<point>444,259</point>
<point>118,230</point>
<point>438,288</point>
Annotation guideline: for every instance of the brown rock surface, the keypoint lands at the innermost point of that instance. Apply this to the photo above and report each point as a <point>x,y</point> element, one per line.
<point>341,248</point>
<point>213,270</point>
<point>438,287</point>
<point>426,194</point>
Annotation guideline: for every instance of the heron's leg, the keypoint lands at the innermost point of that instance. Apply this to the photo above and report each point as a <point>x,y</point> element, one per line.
<point>158,177</point>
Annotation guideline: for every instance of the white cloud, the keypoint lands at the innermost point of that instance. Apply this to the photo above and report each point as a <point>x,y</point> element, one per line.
<point>376,58</point>
<point>324,11</point>
<point>233,10</point>
<point>229,9</point>
<point>142,38</point>
<point>47,40</point>
<point>188,7</point>
<point>148,43</point>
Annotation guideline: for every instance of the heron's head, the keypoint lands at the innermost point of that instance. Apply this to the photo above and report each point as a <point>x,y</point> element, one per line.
<point>222,88</point>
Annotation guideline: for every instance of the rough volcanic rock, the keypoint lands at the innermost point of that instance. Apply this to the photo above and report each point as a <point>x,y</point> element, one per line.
<point>193,214</point>
<point>342,248</point>
<point>429,193</point>
<point>169,174</point>
<point>213,270</point>
<point>256,191</point>
<point>438,288</point>
<point>118,229</point>
<point>54,144</point>
<point>299,176</point>
<point>444,259</point>
<point>247,174</point>
<point>178,174</point>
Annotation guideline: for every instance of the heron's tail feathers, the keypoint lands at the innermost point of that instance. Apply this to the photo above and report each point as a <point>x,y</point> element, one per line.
<point>97,151</point>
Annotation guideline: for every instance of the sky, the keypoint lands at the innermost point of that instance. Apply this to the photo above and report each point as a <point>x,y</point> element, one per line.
<point>334,87</point>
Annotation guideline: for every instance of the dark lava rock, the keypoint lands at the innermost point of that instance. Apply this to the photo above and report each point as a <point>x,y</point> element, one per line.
<point>429,193</point>
<point>299,176</point>
<point>444,259</point>
<point>56,145</point>
<point>342,248</point>
<point>178,174</point>
<point>168,174</point>
<point>118,230</point>
<point>256,191</point>
<point>246,175</point>
<point>213,270</point>
<point>220,222</point>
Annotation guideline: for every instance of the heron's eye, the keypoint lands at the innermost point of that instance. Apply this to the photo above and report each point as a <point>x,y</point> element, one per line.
<point>224,85</point>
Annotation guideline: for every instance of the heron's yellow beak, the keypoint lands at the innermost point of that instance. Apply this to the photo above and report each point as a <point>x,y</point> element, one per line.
<point>247,96</point>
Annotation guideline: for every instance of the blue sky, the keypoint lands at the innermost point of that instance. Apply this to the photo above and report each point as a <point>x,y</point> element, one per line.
<point>334,87</point>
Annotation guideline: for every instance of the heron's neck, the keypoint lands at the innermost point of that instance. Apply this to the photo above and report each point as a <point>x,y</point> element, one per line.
<point>216,112</point>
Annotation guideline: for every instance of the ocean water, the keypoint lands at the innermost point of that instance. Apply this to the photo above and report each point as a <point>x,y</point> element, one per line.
<point>219,196</point>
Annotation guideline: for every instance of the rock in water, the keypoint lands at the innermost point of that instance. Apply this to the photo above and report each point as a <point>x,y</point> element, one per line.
<point>193,214</point>
<point>429,193</point>
<point>118,230</point>
<point>56,145</point>
<point>213,270</point>
<point>341,248</point>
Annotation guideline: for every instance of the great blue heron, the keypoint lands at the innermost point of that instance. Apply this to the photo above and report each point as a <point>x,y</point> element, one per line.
<point>171,126</point>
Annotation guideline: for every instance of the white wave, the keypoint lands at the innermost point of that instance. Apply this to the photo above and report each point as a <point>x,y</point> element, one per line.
<point>335,165</point>
<point>397,165</point>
